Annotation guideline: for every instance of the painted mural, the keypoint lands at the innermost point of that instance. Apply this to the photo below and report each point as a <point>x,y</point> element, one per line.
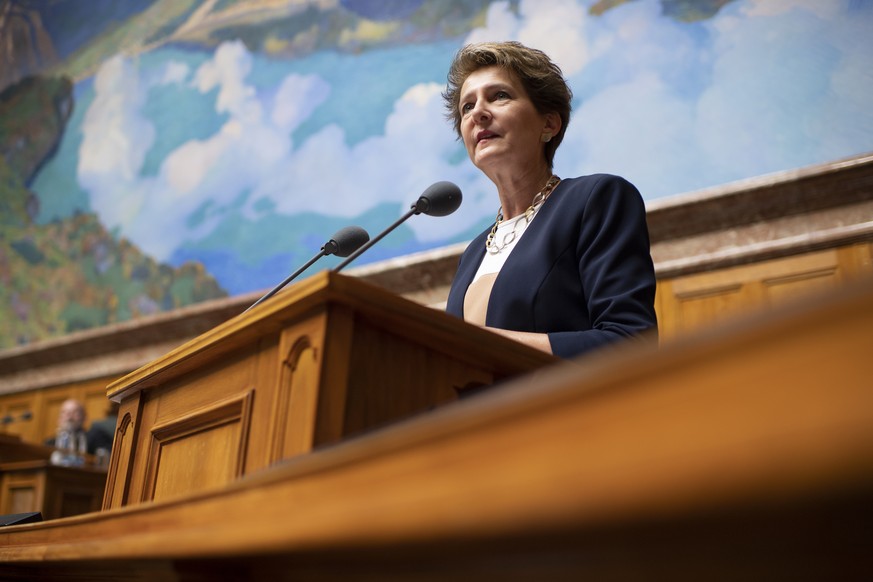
<point>157,153</point>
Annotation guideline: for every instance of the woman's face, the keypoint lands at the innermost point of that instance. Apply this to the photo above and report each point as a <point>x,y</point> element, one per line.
<point>501,128</point>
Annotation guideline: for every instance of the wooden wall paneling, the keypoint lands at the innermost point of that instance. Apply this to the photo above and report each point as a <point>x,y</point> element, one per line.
<point>93,396</point>
<point>779,289</point>
<point>48,420</point>
<point>707,304</point>
<point>856,260</point>
<point>35,412</point>
<point>693,301</point>
<point>664,309</point>
<point>689,303</point>
<point>23,411</point>
<point>793,277</point>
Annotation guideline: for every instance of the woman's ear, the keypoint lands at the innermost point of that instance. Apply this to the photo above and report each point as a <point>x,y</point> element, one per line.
<point>551,127</point>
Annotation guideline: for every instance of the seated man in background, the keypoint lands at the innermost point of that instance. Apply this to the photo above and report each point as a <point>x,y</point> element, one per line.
<point>70,437</point>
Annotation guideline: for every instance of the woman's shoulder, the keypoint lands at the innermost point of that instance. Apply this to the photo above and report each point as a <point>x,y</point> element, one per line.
<point>599,181</point>
<point>605,188</point>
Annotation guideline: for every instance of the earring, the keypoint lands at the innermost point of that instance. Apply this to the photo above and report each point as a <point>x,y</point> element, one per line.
<point>547,137</point>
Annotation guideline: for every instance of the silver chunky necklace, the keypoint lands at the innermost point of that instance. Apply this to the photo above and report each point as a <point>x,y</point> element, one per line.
<point>491,245</point>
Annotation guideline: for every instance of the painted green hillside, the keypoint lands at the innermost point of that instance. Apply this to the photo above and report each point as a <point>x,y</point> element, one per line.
<point>40,264</point>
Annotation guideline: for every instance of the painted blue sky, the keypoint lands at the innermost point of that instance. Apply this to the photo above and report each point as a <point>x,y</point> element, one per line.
<point>248,164</point>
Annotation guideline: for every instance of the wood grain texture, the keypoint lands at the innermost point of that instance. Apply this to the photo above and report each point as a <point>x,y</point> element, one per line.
<point>726,454</point>
<point>52,490</point>
<point>329,358</point>
<point>690,302</point>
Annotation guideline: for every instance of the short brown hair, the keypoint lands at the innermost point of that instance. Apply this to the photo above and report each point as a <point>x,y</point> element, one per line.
<point>541,78</point>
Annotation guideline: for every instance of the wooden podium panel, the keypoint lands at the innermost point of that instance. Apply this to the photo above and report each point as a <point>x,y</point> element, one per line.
<point>329,358</point>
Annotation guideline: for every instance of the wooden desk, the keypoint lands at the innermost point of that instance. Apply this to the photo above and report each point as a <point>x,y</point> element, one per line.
<point>13,449</point>
<point>742,454</point>
<point>53,490</point>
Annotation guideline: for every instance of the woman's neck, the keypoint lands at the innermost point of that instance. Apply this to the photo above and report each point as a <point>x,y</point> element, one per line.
<point>517,191</point>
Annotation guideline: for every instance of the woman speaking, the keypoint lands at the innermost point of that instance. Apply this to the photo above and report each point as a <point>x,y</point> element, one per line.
<point>566,266</point>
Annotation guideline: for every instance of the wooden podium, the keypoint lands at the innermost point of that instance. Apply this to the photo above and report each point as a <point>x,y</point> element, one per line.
<point>329,358</point>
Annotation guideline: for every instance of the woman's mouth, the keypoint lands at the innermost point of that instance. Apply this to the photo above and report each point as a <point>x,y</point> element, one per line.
<point>484,134</point>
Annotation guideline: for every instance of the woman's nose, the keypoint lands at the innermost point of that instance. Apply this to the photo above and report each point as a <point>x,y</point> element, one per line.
<point>480,111</point>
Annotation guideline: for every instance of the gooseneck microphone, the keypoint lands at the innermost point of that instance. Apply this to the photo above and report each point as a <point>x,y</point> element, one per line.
<point>440,199</point>
<point>344,242</point>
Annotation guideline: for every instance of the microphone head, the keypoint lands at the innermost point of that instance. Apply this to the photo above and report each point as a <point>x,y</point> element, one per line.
<point>440,199</point>
<point>345,241</point>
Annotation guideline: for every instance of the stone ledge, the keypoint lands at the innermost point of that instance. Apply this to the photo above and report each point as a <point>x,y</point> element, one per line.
<point>753,220</point>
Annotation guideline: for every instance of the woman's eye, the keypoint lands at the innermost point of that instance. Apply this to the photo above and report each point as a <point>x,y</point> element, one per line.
<point>466,107</point>
<point>502,95</point>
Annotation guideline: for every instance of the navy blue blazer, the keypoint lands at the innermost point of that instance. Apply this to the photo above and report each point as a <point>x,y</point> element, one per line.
<point>582,271</point>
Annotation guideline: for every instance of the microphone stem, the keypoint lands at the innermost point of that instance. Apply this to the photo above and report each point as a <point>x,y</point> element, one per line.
<point>373,241</point>
<point>287,280</point>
